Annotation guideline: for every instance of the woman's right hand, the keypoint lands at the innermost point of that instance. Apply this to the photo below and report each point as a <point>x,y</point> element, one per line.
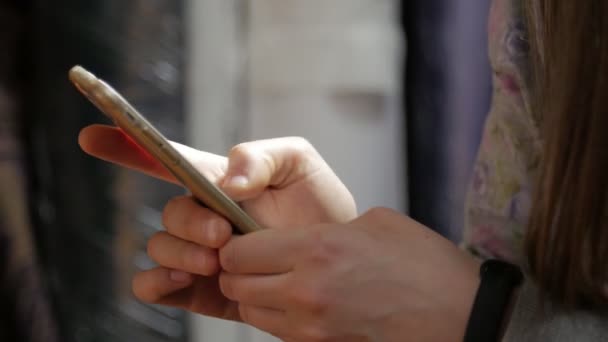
<point>279,182</point>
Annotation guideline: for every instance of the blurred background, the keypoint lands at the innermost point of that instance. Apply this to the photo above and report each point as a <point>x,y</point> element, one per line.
<point>392,93</point>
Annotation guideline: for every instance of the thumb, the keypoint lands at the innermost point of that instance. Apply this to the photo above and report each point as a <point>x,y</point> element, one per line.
<point>255,166</point>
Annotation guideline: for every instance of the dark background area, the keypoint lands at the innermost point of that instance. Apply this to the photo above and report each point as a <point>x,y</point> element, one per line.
<point>447,90</point>
<point>80,207</point>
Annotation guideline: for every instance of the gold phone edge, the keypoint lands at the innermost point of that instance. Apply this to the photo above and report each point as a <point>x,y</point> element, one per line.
<point>113,105</point>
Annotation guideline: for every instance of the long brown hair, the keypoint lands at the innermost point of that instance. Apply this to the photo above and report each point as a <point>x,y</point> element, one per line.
<point>567,240</point>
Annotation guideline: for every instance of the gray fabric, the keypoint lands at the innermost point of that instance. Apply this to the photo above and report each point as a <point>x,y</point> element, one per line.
<point>531,322</point>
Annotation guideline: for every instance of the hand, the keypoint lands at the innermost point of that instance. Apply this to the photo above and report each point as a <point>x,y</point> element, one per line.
<point>382,277</point>
<point>280,183</point>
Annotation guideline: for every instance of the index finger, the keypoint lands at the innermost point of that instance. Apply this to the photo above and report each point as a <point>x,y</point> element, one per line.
<point>113,145</point>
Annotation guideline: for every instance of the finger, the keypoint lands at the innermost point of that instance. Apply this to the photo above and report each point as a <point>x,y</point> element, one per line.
<point>112,144</point>
<point>152,285</point>
<point>270,251</point>
<point>254,166</point>
<point>257,290</point>
<point>172,252</point>
<point>186,219</point>
<point>268,320</point>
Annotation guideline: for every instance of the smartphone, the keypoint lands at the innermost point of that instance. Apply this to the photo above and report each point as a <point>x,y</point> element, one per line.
<point>125,116</point>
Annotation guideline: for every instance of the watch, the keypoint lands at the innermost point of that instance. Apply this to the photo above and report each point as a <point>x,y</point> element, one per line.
<point>498,280</point>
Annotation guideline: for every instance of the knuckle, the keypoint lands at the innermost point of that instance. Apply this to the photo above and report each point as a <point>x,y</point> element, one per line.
<point>142,296</point>
<point>169,212</point>
<point>137,289</point>
<point>211,264</point>
<point>166,215</point>
<point>229,259</point>
<point>302,144</point>
<point>194,258</point>
<point>301,149</point>
<point>316,333</point>
<point>141,291</point>
<point>194,223</point>
<point>217,232</point>
<point>378,220</point>
<point>226,286</point>
<point>154,245</point>
<point>242,156</point>
<point>379,212</point>
<point>312,299</point>
<point>242,150</point>
<point>245,313</point>
<point>325,250</point>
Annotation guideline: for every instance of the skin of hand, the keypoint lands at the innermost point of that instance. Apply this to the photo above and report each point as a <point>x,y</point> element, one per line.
<point>330,277</point>
<point>280,183</point>
<point>381,277</point>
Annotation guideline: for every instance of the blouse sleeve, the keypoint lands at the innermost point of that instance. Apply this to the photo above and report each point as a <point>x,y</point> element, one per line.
<point>499,201</point>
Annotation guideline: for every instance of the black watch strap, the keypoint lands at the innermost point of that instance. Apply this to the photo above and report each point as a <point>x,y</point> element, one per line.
<point>498,279</point>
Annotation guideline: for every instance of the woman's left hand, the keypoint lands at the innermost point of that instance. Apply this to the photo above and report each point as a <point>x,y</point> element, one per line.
<point>381,277</point>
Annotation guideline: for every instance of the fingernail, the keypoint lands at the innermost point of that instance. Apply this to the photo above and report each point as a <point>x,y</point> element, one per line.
<point>179,276</point>
<point>238,181</point>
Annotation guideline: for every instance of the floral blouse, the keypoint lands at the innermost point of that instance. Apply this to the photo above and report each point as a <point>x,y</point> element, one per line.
<point>499,199</point>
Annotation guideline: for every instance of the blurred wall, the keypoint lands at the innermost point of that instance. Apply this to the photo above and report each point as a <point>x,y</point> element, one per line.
<point>325,70</point>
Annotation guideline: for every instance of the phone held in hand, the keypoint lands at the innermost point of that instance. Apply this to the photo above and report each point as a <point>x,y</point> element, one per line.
<point>125,116</point>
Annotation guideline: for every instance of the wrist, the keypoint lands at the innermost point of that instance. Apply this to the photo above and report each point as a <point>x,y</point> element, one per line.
<point>465,301</point>
<point>441,316</point>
